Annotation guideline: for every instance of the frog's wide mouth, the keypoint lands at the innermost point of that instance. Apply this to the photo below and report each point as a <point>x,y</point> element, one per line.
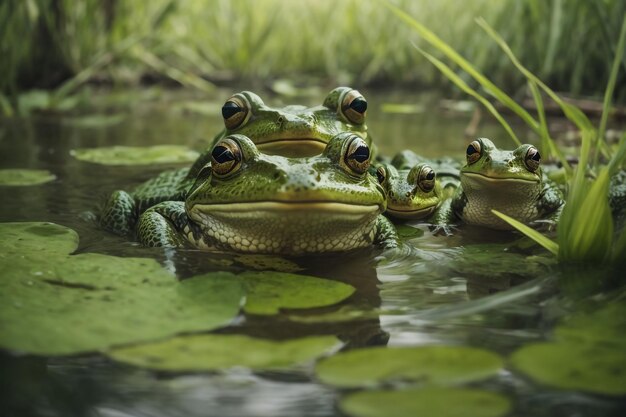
<point>298,147</point>
<point>297,207</point>
<point>412,213</point>
<point>500,180</point>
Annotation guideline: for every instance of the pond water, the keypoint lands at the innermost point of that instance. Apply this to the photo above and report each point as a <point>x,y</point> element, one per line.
<point>477,288</point>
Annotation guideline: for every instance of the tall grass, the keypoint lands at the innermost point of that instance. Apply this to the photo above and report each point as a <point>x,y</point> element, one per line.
<point>45,42</point>
<point>585,228</point>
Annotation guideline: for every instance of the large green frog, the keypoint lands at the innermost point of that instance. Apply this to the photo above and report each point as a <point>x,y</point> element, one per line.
<point>289,131</point>
<point>247,201</point>
<point>412,194</point>
<point>508,181</point>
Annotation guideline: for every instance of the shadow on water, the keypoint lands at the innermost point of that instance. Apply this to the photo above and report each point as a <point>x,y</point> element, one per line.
<point>475,288</point>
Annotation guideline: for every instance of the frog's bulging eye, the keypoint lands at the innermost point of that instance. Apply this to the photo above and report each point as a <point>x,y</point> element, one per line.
<point>225,157</point>
<point>426,178</point>
<point>353,107</point>
<point>381,175</point>
<point>358,155</point>
<point>532,159</point>
<point>473,152</point>
<point>234,112</point>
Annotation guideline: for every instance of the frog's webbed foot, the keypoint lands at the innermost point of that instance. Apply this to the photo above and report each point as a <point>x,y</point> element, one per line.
<point>163,225</point>
<point>119,213</point>
<point>386,235</point>
<point>443,229</point>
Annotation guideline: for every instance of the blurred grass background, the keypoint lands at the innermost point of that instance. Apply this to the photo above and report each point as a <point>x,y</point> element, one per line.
<point>61,44</point>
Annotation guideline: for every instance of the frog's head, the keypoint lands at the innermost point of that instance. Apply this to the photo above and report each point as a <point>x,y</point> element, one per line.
<point>411,193</point>
<point>295,130</point>
<point>505,172</point>
<point>287,205</point>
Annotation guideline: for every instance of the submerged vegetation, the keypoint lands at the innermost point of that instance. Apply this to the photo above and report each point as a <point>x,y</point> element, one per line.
<point>64,44</point>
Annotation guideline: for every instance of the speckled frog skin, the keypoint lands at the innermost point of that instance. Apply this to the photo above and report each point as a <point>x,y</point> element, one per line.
<point>289,131</point>
<point>246,201</point>
<point>412,194</point>
<point>508,181</point>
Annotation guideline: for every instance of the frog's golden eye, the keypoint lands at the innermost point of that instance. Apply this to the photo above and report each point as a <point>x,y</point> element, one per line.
<point>473,152</point>
<point>235,112</point>
<point>357,155</point>
<point>225,157</point>
<point>426,178</point>
<point>381,174</point>
<point>353,107</point>
<point>532,159</point>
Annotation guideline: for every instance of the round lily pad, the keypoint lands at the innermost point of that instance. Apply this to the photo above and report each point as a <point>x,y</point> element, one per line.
<point>52,303</point>
<point>22,177</point>
<point>134,155</point>
<point>268,292</point>
<point>426,364</point>
<point>214,352</point>
<point>430,401</point>
<point>606,326</point>
<point>579,366</point>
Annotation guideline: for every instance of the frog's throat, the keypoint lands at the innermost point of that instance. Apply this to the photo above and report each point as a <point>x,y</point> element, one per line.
<point>284,207</point>
<point>474,176</point>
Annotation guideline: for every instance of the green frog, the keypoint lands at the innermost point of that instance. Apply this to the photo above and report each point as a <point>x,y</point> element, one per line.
<point>508,181</point>
<point>412,194</point>
<point>247,201</point>
<point>289,131</point>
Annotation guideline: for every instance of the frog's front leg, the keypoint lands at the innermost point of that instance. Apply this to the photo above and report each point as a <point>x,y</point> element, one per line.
<point>386,235</point>
<point>119,213</point>
<point>164,225</point>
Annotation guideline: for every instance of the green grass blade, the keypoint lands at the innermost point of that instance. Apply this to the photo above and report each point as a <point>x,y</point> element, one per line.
<point>550,245</point>
<point>458,81</point>
<point>571,112</point>
<point>447,50</point>
<point>610,87</point>
<point>547,143</point>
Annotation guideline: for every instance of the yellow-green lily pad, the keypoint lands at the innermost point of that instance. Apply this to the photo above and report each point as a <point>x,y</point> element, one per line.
<point>210,352</point>
<point>606,326</point>
<point>23,177</point>
<point>440,365</point>
<point>135,155</point>
<point>268,292</point>
<point>578,366</point>
<point>408,232</point>
<point>52,303</point>
<point>428,402</point>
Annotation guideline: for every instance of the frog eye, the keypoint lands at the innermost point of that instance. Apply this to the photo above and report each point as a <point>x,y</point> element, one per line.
<point>353,107</point>
<point>381,174</point>
<point>426,178</point>
<point>225,157</point>
<point>473,152</point>
<point>532,159</point>
<point>357,156</point>
<point>235,112</point>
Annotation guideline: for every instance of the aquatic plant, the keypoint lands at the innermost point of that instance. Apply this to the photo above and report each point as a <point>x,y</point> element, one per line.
<point>585,229</point>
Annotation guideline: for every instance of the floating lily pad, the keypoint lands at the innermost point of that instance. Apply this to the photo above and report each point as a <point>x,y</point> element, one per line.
<point>431,402</point>
<point>134,155</point>
<point>268,292</point>
<point>408,232</point>
<point>427,364</point>
<point>21,177</point>
<point>606,326</point>
<point>214,352</point>
<point>52,303</point>
<point>585,366</point>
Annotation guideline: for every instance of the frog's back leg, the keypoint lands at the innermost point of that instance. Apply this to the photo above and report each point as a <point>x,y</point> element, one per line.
<point>163,225</point>
<point>119,213</point>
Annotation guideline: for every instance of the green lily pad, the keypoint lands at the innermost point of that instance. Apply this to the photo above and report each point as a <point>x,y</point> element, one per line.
<point>215,352</point>
<point>268,292</point>
<point>134,155</point>
<point>52,303</point>
<point>431,402</point>
<point>22,177</point>
<point>579,366</point>
<point>606,326</point>
<point>428,364</point>
<point>408,232</point>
